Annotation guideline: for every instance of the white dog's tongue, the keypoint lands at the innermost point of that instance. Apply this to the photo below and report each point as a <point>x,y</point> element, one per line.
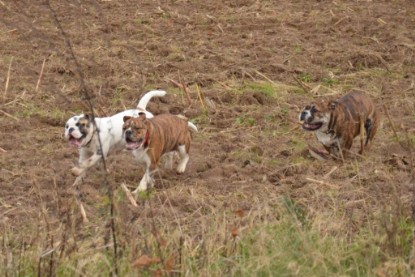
<point>74,142</point>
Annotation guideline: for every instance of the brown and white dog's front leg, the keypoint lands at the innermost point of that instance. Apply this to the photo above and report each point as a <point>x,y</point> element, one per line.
<point>184,158</point>
<point>147,178</point>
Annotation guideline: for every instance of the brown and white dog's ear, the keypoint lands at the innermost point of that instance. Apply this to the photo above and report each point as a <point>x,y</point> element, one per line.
<point>142,115</point>
<point>126,117</point>
<point>88,117</point>
<point>332,105</point>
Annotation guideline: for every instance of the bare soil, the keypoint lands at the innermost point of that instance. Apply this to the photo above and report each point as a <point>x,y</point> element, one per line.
<point>249,151</point>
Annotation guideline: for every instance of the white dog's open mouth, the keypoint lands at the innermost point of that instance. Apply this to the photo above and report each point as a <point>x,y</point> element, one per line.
<point>75,142</point>
<point>312,126</point>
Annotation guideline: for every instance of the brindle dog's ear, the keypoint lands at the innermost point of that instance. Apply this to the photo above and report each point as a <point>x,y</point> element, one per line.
<point>88,117</point>
<point>126,117</point>
<point>332,105</point>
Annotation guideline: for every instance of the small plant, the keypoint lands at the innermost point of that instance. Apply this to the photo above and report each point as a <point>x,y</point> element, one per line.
<point>329,81</point>
<point>305,77</point>
<point>297,48</point>
<point>249,121</point>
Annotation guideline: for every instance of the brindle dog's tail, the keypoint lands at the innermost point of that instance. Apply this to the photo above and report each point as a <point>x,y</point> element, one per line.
<point>368,129</point>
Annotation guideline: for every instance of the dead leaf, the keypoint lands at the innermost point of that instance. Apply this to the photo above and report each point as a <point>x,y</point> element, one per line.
<point>235,232</point>
<point>145,261</point>
<point>157,273</point>
<point>239,213</point>
<point>170,263</point>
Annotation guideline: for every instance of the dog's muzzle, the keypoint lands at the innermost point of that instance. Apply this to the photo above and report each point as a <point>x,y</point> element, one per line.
<point>73,141</point>
<point>132,144</point>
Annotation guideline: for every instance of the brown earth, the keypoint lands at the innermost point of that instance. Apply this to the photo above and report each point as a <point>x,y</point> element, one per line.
<point>249,151</point>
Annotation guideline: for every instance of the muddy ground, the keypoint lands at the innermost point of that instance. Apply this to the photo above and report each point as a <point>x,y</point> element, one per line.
<point>255,64</point>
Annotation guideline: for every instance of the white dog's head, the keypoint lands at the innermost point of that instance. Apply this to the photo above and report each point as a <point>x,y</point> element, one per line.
<point>79,130</point>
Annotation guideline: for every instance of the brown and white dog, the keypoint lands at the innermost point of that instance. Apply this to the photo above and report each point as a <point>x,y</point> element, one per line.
<point>337,122</point>
<point>150,138</point>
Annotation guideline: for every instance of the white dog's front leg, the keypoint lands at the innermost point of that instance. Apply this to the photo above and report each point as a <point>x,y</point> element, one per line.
<point>85,163</point>
<point>80,169</point>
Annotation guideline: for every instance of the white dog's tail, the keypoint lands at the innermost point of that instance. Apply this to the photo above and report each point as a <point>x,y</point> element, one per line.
<point>192,126</point>
<point>142,104</point>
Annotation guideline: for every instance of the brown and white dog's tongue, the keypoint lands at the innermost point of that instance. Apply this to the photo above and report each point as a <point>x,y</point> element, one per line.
<point>134,145</point>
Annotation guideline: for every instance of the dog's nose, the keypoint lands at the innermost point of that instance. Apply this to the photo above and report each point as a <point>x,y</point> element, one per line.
<point>71,130</point>
<point>128,133</point>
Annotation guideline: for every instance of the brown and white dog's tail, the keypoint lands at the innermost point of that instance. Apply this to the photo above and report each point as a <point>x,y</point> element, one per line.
<point>191,126</point>
<point>142,104</point>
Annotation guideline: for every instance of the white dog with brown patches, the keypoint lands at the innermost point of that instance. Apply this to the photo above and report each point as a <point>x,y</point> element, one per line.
<point>81,133</point>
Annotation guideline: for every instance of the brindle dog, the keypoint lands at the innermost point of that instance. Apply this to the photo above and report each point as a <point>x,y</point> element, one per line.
<point>337,122</point>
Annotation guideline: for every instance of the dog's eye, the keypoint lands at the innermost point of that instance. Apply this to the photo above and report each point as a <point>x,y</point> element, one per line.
<point>66,126</point>
<point>77,124</point>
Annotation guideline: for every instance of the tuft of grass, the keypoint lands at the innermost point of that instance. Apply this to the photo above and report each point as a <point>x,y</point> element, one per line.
<point>245,120</point>
<point>305,77</point>
<point>265,88</point>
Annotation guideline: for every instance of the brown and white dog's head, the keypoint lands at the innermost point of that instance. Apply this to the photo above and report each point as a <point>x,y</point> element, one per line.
<point>136,131</point>
<point>79,130</point>
<point>316,116</point>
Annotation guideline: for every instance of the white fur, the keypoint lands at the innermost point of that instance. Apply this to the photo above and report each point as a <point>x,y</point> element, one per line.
<point>325,138</point>
<point>110,132</point>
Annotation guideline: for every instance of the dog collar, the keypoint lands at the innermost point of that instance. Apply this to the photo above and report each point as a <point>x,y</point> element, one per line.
<point>146,139</point>
<point>89,140</point>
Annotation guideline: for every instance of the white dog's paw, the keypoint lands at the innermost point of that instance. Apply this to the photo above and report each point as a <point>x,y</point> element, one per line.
<point>140,188</point>
<point>77,171</point>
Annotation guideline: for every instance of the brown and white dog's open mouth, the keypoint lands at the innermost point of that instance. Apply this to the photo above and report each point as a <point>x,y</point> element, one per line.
<point>312,126</point>
<point>132,145</point>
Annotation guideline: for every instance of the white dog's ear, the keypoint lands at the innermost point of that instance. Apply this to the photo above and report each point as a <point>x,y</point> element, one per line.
<point>143,115</point>
<point>126,117</point>
<point>88,117</point>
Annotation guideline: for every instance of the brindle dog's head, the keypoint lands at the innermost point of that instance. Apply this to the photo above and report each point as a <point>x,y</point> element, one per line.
<point>135,130</point>
<point>316,116</point>
<point>79,130</point>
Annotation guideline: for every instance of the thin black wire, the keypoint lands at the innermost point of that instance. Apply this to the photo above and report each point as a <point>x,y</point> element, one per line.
<point>85,93</point>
